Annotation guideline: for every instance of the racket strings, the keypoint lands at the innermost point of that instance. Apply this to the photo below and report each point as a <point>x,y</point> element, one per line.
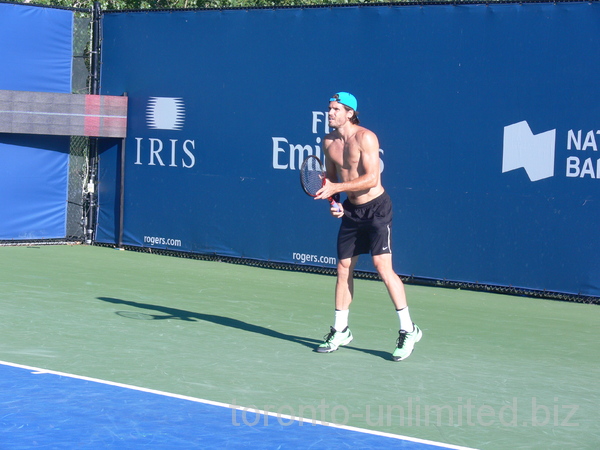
<point>312,180</point>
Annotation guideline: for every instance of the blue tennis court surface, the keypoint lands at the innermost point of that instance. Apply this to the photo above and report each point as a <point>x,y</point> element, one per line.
<point>47,409</point>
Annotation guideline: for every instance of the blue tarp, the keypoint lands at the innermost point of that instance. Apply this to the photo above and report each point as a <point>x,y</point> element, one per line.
<point>36,55</point>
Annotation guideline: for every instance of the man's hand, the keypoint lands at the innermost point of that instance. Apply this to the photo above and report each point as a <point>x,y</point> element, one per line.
<point>337,210</point>
<point>328,190</point>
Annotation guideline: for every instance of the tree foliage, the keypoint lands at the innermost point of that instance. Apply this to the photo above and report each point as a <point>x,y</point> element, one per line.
<point>187,4</point>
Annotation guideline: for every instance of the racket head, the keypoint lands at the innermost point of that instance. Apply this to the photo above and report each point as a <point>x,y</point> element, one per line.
<point>312,175</point>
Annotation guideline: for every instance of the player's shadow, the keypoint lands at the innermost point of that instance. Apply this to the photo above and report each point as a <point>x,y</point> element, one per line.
<point>191,316</point>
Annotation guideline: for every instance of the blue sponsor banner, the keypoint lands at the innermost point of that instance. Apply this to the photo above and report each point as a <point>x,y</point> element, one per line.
<point>486,116</point>
<point>36,54</point>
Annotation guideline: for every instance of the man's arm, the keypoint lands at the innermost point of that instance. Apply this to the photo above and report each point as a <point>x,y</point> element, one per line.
<point>331,174</point>
<point>330,168</point>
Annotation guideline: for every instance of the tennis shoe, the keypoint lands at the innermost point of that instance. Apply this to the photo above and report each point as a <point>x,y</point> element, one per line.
<point>406,343</point>
<point>335,339</point>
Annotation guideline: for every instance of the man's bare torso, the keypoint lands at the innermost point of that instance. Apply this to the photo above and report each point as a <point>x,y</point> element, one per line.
<point>355,156</point>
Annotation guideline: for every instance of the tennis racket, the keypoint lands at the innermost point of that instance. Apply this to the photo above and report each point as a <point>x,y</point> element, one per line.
<point>312,178</point>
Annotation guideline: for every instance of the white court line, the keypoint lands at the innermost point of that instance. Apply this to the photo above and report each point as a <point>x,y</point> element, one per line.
<point>39,371</point>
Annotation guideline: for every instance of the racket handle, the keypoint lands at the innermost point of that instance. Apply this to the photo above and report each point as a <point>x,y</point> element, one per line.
<point>335,205</point>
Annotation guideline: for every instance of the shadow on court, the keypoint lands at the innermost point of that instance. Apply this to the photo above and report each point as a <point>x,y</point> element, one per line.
<point>191,316</point>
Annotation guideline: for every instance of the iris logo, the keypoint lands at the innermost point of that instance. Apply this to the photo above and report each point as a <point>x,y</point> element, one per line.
<point>533,152</point>
<point>165,113</point>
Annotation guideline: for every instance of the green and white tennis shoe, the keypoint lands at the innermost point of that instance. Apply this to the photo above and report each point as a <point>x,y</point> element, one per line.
<point>406,343</point>
<point>334,340</point>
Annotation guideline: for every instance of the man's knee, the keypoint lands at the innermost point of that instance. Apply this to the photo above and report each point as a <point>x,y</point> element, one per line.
<point>345,266</point>
<point>383,264</point>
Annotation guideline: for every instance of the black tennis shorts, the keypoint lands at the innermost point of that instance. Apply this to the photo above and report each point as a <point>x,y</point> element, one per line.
<point>366,228</point>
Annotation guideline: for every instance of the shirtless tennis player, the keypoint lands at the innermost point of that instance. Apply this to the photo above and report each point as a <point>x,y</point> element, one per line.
<point>352,164</point>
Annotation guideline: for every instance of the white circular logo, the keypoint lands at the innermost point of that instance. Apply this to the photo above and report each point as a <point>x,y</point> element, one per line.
<point>165,113</point>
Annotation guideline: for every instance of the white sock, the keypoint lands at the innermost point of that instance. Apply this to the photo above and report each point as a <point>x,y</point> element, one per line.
<point>341,319</point>
<point>406,323</point>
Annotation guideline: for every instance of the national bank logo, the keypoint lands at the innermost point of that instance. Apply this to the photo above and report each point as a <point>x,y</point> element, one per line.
<point>536,152</point>
<point>532,152</point>
<point>165,113</point>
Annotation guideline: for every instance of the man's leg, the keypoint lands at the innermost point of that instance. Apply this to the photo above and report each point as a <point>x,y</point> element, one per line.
<point>409,333</point>
<point>344,290</point>
<point>393,283</point>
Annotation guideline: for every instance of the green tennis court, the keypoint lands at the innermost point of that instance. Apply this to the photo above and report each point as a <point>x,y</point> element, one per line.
<point>491,372</point>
